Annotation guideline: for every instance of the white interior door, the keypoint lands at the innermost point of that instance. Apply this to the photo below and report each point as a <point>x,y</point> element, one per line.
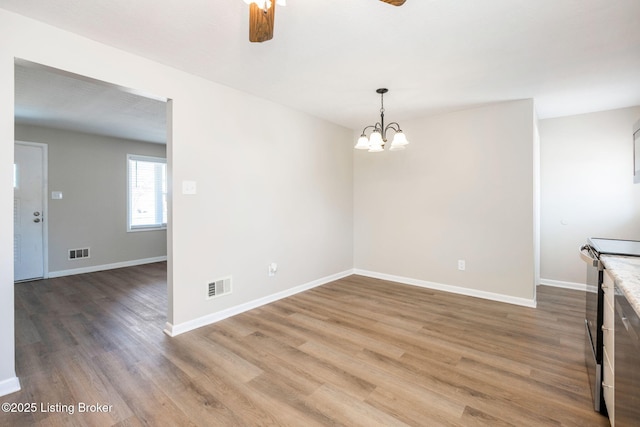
<point>28,211</point>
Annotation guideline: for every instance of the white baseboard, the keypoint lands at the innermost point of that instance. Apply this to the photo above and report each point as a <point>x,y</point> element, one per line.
<point>94,268</point>
<point>173,330</point>
<point>449,288</point>
<point>9,386</point>
<point>568,285</point>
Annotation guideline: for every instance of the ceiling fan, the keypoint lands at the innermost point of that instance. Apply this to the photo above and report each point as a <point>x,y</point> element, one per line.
<point>262,14</point>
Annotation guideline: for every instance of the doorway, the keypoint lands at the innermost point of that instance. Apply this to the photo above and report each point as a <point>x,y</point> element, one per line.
<point>89,127</point>
<point>29,211</point>
<point>55,107</point>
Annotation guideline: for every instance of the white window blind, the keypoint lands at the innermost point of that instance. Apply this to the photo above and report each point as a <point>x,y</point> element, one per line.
<point>147,193</point>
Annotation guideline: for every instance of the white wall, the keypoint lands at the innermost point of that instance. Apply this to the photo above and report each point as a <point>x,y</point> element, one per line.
<point>274,185</point>
<point>587,188</point>
<point>8,380</point>
<point>91,171</point>
<point>463,189</point>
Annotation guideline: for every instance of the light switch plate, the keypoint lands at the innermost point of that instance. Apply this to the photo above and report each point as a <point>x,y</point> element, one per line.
<point>56,195</point>
<point>188,187</point>
<point>273,269</point>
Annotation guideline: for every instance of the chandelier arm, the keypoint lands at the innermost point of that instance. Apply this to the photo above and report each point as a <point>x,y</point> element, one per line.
<point>370,126</point>
<point>395,129</point>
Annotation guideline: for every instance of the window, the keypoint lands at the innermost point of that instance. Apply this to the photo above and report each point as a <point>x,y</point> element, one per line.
<point>147,193</point>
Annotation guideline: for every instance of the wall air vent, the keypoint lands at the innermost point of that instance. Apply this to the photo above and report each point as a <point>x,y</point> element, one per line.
<point>219,287</point>
<point>78,253</point>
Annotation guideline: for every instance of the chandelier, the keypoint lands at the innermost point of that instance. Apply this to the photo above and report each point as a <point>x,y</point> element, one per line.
<point>375,142</point>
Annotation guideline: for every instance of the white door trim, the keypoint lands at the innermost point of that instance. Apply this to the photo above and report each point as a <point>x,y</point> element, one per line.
<point>45,205</point>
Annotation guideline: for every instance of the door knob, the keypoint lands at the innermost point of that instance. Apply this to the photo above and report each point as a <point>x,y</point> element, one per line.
<point>36,220</point>
<point>36,213</point>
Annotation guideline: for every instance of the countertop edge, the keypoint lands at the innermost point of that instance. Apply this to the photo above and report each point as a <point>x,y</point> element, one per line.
<point>625,271</point>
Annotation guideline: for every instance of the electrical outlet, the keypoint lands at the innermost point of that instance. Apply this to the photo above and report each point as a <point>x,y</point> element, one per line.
<point>461,265</point>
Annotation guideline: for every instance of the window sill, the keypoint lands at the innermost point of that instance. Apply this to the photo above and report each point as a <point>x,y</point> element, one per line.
<point>137,229</point>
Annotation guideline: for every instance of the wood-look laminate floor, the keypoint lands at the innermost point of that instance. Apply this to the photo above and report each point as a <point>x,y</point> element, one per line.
<point>355,352</point>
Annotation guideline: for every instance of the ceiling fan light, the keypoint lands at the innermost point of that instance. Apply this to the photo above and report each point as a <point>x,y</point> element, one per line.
<point>399,139</point>
<point>266,4</point>
<point>262,4</point>
<point>363,143</point>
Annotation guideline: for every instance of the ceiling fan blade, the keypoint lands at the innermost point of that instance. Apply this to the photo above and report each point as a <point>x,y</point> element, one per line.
<point>261,22</point>
<point>395,2</point>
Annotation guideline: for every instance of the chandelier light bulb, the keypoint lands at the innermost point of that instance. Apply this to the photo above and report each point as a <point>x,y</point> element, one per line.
<point>363,143</point>
<point>399,139</point>
<point>375,142</point>
<point>375,138</point>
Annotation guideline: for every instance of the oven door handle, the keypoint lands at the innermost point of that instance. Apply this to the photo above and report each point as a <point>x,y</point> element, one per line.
<point>586,253</point>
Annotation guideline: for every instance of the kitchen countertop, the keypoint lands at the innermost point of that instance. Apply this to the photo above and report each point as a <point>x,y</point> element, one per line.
<point>626,275</point>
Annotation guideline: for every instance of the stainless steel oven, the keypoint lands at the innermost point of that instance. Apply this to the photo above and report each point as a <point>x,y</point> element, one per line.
<point>594,346</point>
<point>593,324</point>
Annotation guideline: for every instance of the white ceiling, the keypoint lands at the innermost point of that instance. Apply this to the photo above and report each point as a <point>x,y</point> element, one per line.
<point>327,57</point>
<point>53,98</point>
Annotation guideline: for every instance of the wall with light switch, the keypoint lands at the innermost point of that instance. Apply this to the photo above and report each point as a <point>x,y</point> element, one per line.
<point>88,201</point>
<point>272,185</point>
<point>587,188</point>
